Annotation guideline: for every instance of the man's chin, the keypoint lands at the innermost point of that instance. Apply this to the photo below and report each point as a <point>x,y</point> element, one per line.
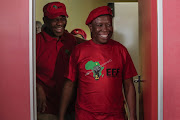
<point>104,41</point>
<point>58,34</point>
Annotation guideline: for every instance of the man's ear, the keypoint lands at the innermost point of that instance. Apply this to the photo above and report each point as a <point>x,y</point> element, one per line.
<point>90,27</point>
<point>45,20</point>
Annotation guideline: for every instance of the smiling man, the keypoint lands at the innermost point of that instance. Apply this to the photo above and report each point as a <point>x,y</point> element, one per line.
<point>101,67</point>
<point>53,47</point>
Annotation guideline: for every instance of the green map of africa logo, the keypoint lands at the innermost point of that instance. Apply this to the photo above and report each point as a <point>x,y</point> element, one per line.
<point>96,69</point>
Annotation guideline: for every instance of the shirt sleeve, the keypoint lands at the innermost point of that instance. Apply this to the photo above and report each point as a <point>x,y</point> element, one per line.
<point>71,72</point>
<point>37,47</point>
<point>129,69</point>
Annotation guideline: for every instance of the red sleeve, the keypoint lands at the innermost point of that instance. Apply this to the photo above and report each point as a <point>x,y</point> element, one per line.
<point>38,39</point>
<point>37,55</point>
<point>72,73</point>
<point>129,69</point>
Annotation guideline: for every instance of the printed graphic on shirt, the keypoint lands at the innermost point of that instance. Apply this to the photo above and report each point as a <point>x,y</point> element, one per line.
<point>112,72</point>
<point>67,52</point>
<point>96,68</point>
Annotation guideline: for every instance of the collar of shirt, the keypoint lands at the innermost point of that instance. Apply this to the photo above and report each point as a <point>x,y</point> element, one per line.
<point>47,37</point>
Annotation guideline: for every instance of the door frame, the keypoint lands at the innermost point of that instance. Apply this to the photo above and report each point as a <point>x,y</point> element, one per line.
<point>32,59</point>
<point>160,58</point>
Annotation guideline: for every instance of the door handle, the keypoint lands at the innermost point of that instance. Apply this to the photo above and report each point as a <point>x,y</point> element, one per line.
<point>139,81</point>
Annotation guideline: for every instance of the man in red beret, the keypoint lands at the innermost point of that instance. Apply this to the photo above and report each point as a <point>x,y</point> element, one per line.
<point>101,66</point>
<point>53,47</point>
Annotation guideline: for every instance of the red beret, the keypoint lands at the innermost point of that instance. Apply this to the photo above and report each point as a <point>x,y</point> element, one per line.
<point>54,9</point>
<point>79,31</point>
<point>103,10</point>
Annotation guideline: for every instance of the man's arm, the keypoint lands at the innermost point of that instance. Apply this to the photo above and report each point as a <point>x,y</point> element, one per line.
<point>130,95</point>
<point>41,98</point>
<point>67,93</point>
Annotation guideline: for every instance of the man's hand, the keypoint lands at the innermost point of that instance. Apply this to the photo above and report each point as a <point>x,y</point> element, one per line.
<point>130,95</point>
<point>67,94</point>
<point>41,98</point>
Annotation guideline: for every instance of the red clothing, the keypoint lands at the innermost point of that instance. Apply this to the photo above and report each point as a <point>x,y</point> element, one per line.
<point>52,58</point>
<point>100,69</point>
<point>85,115</point>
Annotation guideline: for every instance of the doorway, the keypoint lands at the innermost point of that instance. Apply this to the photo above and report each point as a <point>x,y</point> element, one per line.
<point>71,4</point>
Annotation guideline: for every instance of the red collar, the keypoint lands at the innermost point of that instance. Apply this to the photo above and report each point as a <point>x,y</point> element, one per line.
<point>47,37</point>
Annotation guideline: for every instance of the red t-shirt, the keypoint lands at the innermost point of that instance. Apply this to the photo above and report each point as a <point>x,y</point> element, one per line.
<point>100,69</point>
<point>52,58</point>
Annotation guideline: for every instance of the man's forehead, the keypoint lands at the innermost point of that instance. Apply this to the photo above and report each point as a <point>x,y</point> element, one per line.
<point>103,10</point>
<point>61,16</point>
<point>38,25</point>
<point>103,18</point>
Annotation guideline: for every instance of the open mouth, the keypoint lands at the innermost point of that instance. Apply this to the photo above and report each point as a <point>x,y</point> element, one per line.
<point>59,29</point>
<point>104,36</point>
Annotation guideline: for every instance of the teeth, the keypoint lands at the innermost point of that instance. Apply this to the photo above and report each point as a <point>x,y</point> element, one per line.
<point>59,28</point>
<point>104,36</point>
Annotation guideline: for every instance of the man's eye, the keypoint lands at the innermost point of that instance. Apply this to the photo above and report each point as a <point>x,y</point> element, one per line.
<point>99,25</point>
<point>54,20</point>
<point>63,19</point>
<point>58,19</point>
<point>109,25</point>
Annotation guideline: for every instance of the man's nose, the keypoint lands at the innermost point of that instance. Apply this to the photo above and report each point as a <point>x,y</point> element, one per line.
<point>104,28</point>
<point>60,22</point>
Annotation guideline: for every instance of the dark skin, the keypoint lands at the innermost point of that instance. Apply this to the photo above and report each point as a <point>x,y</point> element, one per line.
<point>55,28</point>
<point>101,31</point>
<point>67,93</point>
<point>130,96</point>
<point>41,99</point>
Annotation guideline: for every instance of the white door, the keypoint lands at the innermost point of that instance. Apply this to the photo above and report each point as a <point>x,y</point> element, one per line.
<point>126,31</point>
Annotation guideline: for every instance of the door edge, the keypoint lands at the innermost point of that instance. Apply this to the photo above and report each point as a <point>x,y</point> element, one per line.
<point>160,58</point>
<point>32,60</point>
